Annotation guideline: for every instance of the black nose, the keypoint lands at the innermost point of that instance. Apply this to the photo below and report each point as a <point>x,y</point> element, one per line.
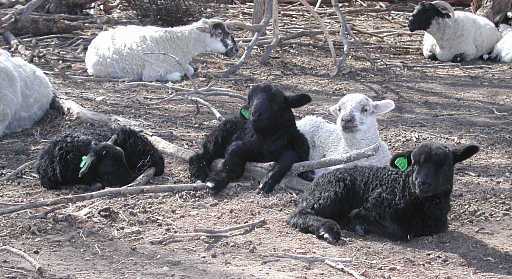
<point>348,119</point>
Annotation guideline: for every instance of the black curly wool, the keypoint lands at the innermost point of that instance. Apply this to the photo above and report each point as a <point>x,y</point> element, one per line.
<point>269,135</point>
<point>140,153</point>
<point>395,204</point>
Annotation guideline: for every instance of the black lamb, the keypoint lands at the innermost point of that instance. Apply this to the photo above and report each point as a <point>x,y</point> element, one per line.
<point>79,159</point>
<point>265,131</point>
<point>396,204</point>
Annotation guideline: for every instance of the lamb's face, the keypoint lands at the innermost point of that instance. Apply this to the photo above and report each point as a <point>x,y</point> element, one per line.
<point>356,113</point>
<point>270,108</point>
<point>432,166</point>
<point>426,12</point>
<point>221,40</point>
<point>106,162</point>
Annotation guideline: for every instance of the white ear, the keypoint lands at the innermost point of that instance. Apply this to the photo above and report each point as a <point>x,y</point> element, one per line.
<point>204,29</point>
<point>334,110</point>
<point>383,106</point>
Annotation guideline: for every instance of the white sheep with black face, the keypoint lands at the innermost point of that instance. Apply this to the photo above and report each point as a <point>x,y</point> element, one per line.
<point>123,52</point>
<point>452,35</point>
<point>25,93</point>
<point>503,49</point>
<point>356,128</point>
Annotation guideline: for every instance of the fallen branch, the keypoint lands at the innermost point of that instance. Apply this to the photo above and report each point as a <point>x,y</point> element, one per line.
<point>309,258</point>
<point>110,193</point>
<point>234,228</point>
<point>143,179</point>
<point>341,267</point>
<point>38,269</point>
<point>18,170</point>
<point>222,233</point>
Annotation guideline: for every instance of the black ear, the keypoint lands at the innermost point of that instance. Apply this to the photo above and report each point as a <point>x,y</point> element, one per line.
<point>299,100</point>
<point>395,161</point>
<point>464,152</point>
<point>91,158</point>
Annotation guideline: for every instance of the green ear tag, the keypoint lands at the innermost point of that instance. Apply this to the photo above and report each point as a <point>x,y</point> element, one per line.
<point>244,112</point>
<point>84,159</point>
<point>401,163</point>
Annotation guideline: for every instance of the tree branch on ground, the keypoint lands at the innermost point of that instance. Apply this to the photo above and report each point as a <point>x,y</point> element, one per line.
<point>37,267</point>
<point>309,258</point>
<point>343,268</point>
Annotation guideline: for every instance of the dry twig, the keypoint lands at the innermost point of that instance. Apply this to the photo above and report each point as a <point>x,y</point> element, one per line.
<point>309,258</point>
<point>37,267</point>
<point>341,267</point>
<point>18,170</point>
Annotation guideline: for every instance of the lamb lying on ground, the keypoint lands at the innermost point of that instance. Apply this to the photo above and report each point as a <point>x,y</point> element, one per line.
<point>265,131</point>
<point>503,49</point>
<point>395,203</point>
<point>355,128</point>
<point>77,159</point>
<point>25,94</point>
<point>452,35</point>
<point>123,52</point>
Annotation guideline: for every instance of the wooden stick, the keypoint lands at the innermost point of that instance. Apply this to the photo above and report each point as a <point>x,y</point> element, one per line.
<point>234,228</point>
<point>275,32</point>
<point>18,170</point>
<point>37,267</point>
<point>209,106</point>
<point>143,179</point>
<point>212,233</point>
<point>309,258</point>
<point>109,192</point>
<point>341,267</point>
<point>21,13</point>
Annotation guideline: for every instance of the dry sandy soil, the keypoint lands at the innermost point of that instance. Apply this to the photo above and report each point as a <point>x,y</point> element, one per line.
<point>451,103</point>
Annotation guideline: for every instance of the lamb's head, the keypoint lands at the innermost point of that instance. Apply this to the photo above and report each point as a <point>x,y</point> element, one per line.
<point>220,40</point>
<point>432,166</point>
<point>426,12</point>
<point>270,110</point>
<point>106,163</point>
<point>356,113</point>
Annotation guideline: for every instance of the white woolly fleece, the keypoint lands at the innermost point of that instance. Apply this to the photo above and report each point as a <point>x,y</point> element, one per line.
<point>120,52</point>
<point>466,33</point>
<point>328,140</point>
<point>503,49</point>
<point>25,94</point>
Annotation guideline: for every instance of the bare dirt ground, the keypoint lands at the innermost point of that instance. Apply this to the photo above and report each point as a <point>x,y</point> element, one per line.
<point>451,103</point>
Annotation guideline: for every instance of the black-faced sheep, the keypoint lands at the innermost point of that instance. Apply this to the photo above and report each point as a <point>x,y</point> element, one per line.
<point>77,159</point>
<point>25,93</point>
<point>268,135</point>
<point>452,35</point>
<point>389,202</point>
<point>356,128</point>
<point>120,52</point>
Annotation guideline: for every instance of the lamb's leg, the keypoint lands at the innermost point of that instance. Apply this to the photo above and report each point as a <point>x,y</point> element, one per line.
<point>458,58</point>
<point>232,167</point>
<point>306,221</point>
<point>363,221</point>
<point>214,146</point>
<point>276,174</point>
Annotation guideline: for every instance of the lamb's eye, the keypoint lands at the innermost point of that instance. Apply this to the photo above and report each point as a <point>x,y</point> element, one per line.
<point>364,109</point>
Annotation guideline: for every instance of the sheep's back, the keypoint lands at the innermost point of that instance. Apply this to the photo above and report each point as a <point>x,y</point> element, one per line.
<point>25,94</point>
<point>323,137</point>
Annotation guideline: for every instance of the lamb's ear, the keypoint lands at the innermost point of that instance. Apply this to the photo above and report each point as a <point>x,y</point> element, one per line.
<point>295,101</point>
<point>383,106</point>
<point>88,163</point>
<point>397,163</point>
<point>334,110</point>
<point>444,8</point>
<point>464,152</point>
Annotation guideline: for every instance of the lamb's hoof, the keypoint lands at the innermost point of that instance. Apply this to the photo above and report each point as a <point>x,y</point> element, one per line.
<point>95,187</point>
<point>307,175</point>
<point>458,58</point>
<point>215,184</point>
<point>359,230</point>
<point>330,232</point>
<point>432,57</point>
<point>266,187</point>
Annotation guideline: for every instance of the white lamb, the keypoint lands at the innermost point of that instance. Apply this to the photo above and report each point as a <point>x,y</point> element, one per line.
<point>123,52</point>
<point>503,49</point>
<point>25,93</point>
<point>452,35</point>
<point>355,128</point>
